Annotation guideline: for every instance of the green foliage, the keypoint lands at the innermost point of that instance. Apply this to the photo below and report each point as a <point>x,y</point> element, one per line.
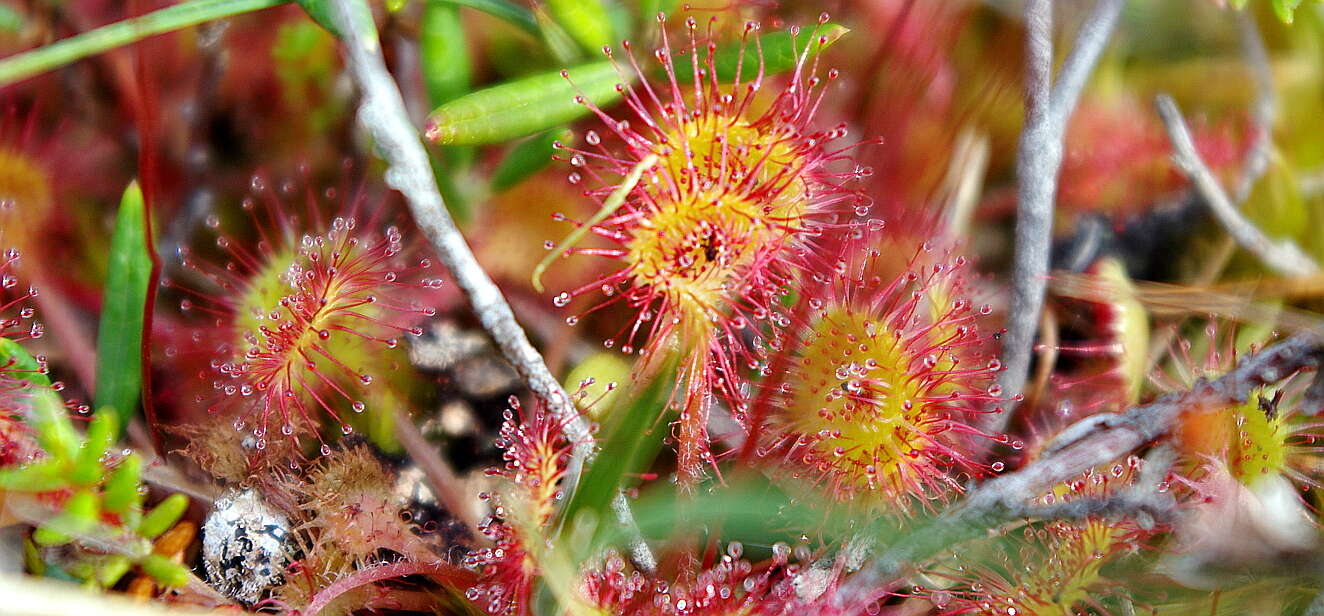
<point>443,49</point>
<point>634,434</point>
<point>49,57</point>
<point>100,511</point>
<point>527,158</point>
<point>1284,9</point>
<point>10,20</point>
<point>119,339</point>
<point>24,366</point>
<point>586,21</point>
<point>781,52</point>
<point>99,494</point>
<point>502,9</point>
<point>523,107</point>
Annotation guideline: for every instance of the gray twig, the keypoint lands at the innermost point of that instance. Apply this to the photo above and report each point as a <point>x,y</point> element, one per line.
<point>1284,257</point>
<point>1262,111</point>
<point>382,111</point>
<point>1038,161</point>
<point>1003,498</point>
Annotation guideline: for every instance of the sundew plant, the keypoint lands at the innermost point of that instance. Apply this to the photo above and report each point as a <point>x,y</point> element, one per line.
<point>710,308</point>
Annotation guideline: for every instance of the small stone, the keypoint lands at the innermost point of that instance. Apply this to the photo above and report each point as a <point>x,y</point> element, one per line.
<point>245,546</point>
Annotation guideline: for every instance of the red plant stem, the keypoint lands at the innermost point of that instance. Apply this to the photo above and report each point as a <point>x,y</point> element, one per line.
<point>147,171</point>
<point>445,483</point>
<point>448,575</point>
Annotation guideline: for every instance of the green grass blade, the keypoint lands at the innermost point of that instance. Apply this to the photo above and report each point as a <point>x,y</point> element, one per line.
<point>92,42</point>
<point>119,338</point>
<point>634,434</point>
<point>527,158</point>
<point>506,11</point>
<point>532,104</point>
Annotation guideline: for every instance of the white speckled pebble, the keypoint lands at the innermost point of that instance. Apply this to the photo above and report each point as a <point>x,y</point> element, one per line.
<point>245,546</point>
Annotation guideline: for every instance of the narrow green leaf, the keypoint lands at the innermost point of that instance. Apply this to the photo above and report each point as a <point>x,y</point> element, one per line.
<point>524,106</point>
<point>320,11</point>
<point>163,516</point>
<point>50,421</point>
<point>564,49</point>
<point>108,37</point>
<point>21,365</point>
<point>447,74</point>
<point>443,49</point>
<point>119,338</point>
<point>634,436</point>
<point>43,476</point>
<point>527,158</point>
<point>503,10</point>
<point>585,20</point>
<point>101,434</point>
<point>121,493</point>
<point>165,571</point>
<point>78,516</point>
<point>112,568</point>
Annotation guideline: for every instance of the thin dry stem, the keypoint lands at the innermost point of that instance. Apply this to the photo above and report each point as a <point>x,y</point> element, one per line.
<point>1282,256</point>
<point>1038,161</point>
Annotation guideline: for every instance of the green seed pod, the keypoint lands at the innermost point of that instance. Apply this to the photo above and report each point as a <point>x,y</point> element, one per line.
<point>164,571</point>
<point>527,158</point>
<point>101,433</point>
<point>120,493</point>
<point>586,21</point>
<point>163,516</point>
<point>524,106</point>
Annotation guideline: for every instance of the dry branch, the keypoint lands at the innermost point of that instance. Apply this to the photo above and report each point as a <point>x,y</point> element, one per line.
<point>1283,257</point>
<point>1038,161</point>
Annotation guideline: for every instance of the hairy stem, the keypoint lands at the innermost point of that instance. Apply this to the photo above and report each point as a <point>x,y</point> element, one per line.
<point>448,575</point>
